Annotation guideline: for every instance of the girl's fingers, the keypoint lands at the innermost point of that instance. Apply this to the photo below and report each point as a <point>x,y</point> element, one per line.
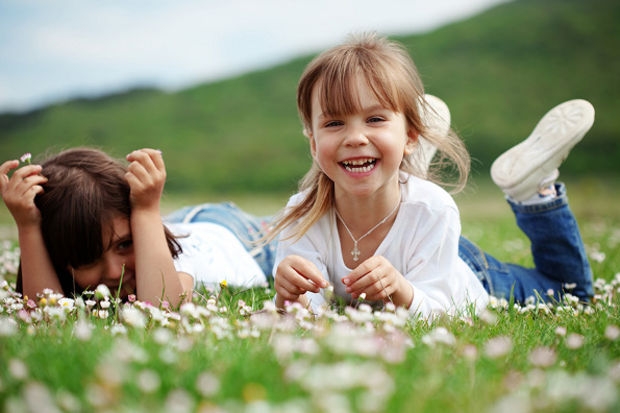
<point>147,151</point>
<point>28,170</point>
<point>150,159</point>
<point>358,278</point>
<point>20,173</point>
<point>137,170</point>
<point>147,165</point>
<point>35,189</point>
<point>146,176</point>
<point>33,178</point>
<point>293,282</point>
<point>288,290</point>
<point>6,167</point>
<point>311,274</point>
<point>381,290</point>
<point>156,158</point>
<point>22,180</point>
<point>373,277</point>
<point>296,275</point>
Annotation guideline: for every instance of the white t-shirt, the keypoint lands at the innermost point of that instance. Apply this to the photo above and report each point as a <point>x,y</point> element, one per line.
<point>422,245</point>
<point>212,254</point>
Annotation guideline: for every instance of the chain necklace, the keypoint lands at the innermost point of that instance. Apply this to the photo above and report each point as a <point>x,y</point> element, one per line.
<point>355,251</point>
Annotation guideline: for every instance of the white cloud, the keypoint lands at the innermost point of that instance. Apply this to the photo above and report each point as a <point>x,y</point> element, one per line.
<point>54,50</point>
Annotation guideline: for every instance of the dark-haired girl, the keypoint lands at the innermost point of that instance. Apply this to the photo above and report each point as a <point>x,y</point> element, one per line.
<point>85,218</point>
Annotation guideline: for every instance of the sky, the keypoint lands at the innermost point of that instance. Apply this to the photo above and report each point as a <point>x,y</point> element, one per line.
<point>51,51</point>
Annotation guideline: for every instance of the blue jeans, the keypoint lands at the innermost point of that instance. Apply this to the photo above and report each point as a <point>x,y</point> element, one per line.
<point>248,228</point>
<point>561,264</point>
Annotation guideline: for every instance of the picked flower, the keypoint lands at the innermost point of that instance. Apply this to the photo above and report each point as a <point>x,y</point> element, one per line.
<point>25,158</point>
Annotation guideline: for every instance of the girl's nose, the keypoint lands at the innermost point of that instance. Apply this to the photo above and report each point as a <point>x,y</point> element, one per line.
<point>355,136</point>
<point>115,268</point>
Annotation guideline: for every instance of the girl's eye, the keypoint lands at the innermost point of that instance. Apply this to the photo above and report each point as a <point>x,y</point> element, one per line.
<point>333,123</point>
<point>124,245</point>
<point>375,119</point>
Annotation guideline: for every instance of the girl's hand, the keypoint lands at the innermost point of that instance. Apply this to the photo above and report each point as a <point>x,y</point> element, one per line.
<point>19,191</point>
<point>146,175</point>
<point>295,276</point>
<point>380,281</point>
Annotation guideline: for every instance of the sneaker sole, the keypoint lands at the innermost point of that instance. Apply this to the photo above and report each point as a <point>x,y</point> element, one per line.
<point>524,166</point>
<point>437,118</point>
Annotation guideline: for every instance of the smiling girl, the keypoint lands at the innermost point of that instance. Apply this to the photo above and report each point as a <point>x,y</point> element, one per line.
<point>371,221</point>
<point>364,221</point>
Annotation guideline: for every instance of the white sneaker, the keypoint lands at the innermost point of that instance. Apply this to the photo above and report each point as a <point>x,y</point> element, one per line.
<point>532,164</point>
<point>437,117</point>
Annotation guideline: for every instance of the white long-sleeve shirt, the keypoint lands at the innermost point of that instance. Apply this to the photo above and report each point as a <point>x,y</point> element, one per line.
<point>212,254</point>
<point>422,245</point>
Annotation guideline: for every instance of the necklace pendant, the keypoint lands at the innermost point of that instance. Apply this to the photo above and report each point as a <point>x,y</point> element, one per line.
<point>355,252</point>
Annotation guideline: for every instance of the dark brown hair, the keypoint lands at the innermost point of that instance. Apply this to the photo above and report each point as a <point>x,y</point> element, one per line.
<point>85,191</point>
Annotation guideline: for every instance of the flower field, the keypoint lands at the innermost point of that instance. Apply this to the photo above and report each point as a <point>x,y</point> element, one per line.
<point>229,350</point>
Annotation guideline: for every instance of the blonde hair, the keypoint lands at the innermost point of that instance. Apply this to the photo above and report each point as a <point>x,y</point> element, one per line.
<point>393,77</point>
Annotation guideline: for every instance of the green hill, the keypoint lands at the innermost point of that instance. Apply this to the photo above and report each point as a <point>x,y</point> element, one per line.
<point>498,71</point>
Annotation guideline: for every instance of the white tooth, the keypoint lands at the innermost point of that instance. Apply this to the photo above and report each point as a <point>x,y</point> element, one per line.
<point>360,168</point>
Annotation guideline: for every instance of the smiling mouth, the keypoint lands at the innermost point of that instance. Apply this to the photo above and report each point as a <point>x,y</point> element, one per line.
<point>359,165</point>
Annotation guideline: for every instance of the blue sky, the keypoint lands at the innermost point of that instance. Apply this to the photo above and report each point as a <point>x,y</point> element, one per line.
<point>54,50</point>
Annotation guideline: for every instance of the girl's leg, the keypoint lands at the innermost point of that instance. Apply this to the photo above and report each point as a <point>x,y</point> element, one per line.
<point>526,174</point>
<point>557,247</point>
<point>560,260</point>
<point>248,228</point>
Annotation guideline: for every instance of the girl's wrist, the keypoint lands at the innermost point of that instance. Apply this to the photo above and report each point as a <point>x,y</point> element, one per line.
<point>29,228</point>
<point>403,297</point>
<point>146,211</point>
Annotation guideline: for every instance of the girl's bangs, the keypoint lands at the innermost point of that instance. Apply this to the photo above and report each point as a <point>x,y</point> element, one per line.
<point>338,91</point>
<point>83,238</point>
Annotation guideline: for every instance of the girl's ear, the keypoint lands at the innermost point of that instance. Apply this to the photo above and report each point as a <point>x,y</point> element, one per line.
<point>310,137</point>
<point>412,141</point>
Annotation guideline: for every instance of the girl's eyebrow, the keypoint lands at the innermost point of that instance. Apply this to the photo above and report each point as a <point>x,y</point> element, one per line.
<point>375,107</point>
<point>122,239</point>
<point>372,108</point>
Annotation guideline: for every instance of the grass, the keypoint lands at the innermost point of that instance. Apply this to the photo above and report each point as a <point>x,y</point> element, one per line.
<point>229,351</point>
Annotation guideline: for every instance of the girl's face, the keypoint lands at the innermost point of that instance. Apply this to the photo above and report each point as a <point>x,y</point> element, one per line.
<point>361,152</point>
<point>115,266</point>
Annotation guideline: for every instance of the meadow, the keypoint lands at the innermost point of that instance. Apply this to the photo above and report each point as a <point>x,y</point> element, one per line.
<point>230,351</point>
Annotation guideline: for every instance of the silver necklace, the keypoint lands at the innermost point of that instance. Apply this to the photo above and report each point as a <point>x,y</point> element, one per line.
<point>355,251</point>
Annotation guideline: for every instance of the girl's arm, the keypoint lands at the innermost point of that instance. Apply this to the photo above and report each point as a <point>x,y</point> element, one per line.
<point>299,269</point>
<point>18,193</point>
<point>156,277</point>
